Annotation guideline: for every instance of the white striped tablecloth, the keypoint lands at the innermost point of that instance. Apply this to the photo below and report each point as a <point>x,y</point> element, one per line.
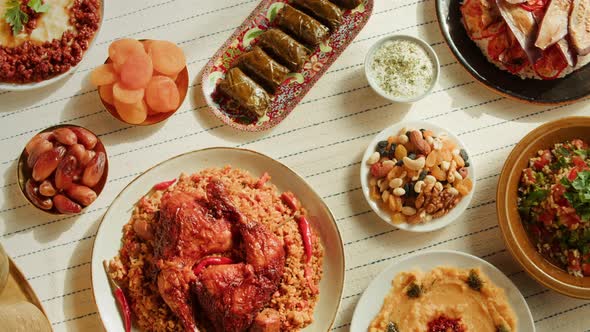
<point>323,140</point>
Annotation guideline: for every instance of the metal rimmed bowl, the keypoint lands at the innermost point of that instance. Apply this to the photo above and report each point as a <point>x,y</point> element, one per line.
<point>24,172</point>
<point>375,86</point>
<point>182,84</point>
<point>4,86</point>
<point>513,231</point>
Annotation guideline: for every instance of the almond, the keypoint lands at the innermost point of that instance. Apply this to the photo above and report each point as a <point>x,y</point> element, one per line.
<point>419,142</point>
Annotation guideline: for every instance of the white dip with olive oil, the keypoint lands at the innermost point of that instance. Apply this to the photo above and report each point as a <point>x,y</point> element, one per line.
<point>402,68</point>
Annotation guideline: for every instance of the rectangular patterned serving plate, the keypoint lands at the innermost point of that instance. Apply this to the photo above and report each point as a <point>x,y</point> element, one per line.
<point>296,86</point>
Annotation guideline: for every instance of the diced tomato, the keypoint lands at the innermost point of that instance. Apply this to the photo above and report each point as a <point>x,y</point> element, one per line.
<point>378,170</point>
<point>551,64</point>
<point>534,5</point>
<point>579,144</point>
<point>557,191</point>
<point>547,217</point>
<point>570,219</point>
<point>544,159</point>
<point>579,162</point>
<point>573,261</point>
<point>482,19</point>
<point>586,269</point>
<point>573,174</point>
<point>528,176</point>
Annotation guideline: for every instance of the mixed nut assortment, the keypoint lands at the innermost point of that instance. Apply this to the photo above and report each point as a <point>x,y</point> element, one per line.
<point>64,169</point>
<point>418,176</point>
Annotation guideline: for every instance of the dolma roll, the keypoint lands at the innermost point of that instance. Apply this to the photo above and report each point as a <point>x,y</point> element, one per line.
<point>284,49</point>
<point>348,4</point>
<point>245,92</point>
<point>322,10</point>
<point>302,26</point>
<point>263,69</point>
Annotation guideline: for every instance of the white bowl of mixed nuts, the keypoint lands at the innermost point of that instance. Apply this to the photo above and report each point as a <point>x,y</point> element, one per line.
<point>417,176</point>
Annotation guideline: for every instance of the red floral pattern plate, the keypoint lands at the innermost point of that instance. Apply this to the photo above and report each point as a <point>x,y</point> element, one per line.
<point>294,88</point>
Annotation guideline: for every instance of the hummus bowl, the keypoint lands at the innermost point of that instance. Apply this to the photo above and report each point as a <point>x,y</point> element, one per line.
<point>513,231</point>
<point>54,27</point>
<point>372,299</point>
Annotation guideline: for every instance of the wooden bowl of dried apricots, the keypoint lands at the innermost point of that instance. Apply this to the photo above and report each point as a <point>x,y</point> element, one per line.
<point>142,82</point>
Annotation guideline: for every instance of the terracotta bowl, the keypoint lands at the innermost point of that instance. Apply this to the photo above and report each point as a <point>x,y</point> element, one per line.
<point>24,172</point>
<point>181,83</point>
<point>515,236</point>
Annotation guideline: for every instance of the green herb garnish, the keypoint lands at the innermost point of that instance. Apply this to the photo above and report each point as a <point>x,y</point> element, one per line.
<point>38,6</point>
<point>578,194</point>
<point>392,327</point>
<point>17,19</point>
<point>474,281</point>
<point>414,290</point>
<point>531,200</point>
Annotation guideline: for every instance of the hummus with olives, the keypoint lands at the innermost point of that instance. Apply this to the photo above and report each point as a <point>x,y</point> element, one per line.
<point>444,299</point>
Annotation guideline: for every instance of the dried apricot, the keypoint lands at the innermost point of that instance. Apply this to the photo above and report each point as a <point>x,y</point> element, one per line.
<point>167,57</point>
<point>106,93</point>
<point>162,94</point>
<point>137,71</point>
<point>103,75</point>
<point>127,96</point>
<point>132,113</point>
<point>121,49</point>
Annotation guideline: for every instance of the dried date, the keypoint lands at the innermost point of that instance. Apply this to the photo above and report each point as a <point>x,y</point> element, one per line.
<point>65,136</point>
<point>65,172</point>
<point>81,194</point>
<point>85,137</point>
<point>66,205</point>
<point>94,171</point>
<point>47,163</point>
<point>47,189</point>
<point>32,193</point>
<point>39,148</point>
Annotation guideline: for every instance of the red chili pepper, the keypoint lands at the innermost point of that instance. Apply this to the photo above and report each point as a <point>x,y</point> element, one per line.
<point>263,179</point>
<point>211,261</point>
<point>305,230</point>
<point>120,297</point>
<point>164,185</point>
<point>289,199</point>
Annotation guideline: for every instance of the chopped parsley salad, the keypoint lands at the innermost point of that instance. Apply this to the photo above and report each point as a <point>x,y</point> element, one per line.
<point>554,204</point>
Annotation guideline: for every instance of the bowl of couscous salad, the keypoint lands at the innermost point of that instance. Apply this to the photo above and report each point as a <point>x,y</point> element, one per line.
<point>543,203</point>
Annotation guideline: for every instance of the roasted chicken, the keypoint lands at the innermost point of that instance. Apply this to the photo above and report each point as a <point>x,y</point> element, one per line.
<point>185,233</point>
<point>232,295</point>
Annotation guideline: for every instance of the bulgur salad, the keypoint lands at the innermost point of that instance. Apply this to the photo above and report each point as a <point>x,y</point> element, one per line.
<point>418,175</point>
<point>554,204</point>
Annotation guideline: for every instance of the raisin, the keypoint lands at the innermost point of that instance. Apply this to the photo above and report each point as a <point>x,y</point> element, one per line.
<point>464,155</point>
<point>412,155</point>
<point>422,175</point>
<point>399,163</point>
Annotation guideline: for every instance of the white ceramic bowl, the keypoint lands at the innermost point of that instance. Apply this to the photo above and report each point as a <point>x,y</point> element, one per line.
<point>372,299</point>
<point>377,88</point>
<point>434,224</point>
<point>37,85</point>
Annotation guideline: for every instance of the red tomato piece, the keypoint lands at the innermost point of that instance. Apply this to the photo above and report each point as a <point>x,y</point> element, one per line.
<point>528,176</point>
<point>534,5</point>
<point>573,174</point>
<point>547,217</point>
<point>579,162</point>
<point>551,64</point>
<point>586,269</point>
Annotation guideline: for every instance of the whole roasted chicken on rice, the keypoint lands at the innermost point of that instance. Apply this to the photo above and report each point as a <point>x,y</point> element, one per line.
<point>541,39</point>
<point>193,261</point>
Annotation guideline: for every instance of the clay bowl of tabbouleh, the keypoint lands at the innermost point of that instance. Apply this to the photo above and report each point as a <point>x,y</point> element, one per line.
<point>542,207</point>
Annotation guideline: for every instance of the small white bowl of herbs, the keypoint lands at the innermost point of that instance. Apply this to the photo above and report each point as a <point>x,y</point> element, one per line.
<point>402,68</point>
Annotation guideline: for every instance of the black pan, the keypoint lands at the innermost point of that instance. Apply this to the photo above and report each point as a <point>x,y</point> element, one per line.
<point>565,90</point>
